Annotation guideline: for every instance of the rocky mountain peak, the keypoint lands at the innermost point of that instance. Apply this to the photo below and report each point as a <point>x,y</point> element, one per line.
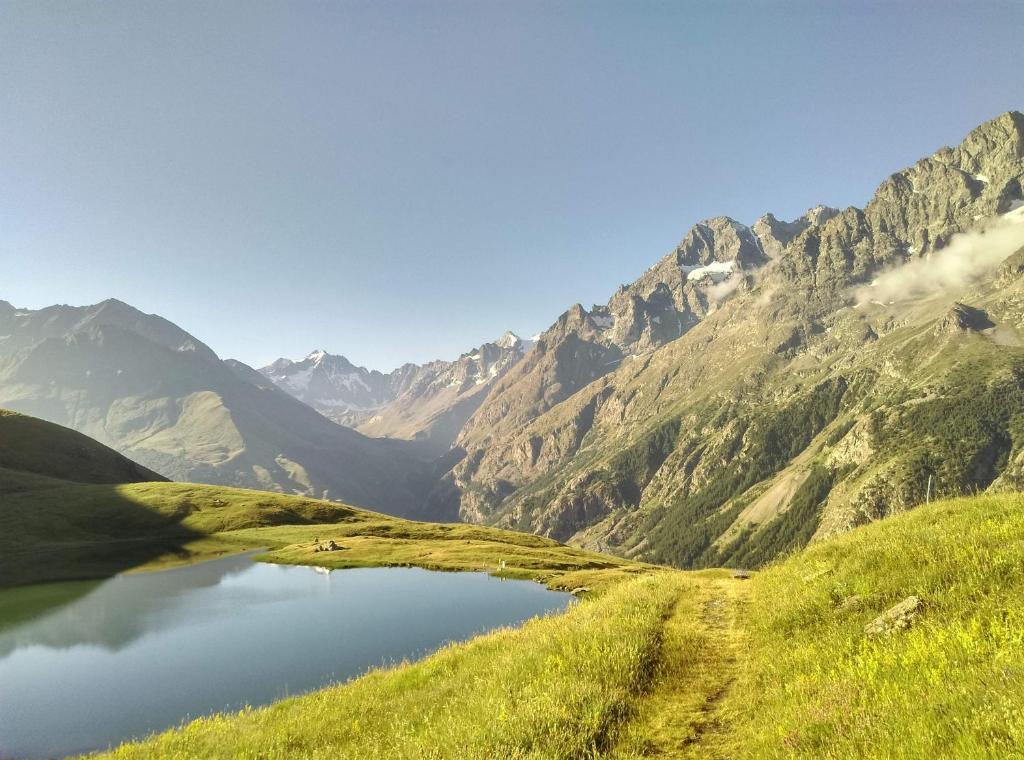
<point>599,369</point>
<point>508,340</point>
<point>997,140</point>
<point>820,214</point>
<point>720,239</point>
<point>775,234</point>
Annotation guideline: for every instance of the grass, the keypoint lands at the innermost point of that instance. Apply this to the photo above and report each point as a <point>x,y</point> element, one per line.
<point>814,686</point>
<point>28,444</point>
<point>652,663</point>
<point>444,547</point>
<point>679,715</point>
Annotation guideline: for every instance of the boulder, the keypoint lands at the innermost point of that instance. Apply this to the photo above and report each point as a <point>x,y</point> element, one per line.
<point>963,318</point>
<point>895,619</point>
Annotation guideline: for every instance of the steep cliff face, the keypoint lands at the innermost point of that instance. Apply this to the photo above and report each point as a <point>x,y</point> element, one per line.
<point>762,385</point>
<point>582,346</point>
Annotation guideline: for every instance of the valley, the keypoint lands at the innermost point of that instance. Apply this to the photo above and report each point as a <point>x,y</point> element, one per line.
<point>797,660</point>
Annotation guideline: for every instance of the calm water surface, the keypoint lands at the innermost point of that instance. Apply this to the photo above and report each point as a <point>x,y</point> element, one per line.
<point>139,653</point>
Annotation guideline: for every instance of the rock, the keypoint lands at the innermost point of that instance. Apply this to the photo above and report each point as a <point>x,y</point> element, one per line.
<point>1011,269</point>
<point>963,318</point>
<point>895,619</point>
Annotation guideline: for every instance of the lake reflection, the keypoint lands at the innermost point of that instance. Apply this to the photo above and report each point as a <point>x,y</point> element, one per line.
<point>139,653</point>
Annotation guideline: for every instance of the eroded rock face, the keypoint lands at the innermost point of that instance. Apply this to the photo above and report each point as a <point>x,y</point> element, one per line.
<point>963,318</point>
<point>895,619</point>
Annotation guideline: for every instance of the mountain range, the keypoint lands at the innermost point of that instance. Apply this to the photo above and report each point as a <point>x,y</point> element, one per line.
<point>764,385</point>
<point>757,388</point>
<point>428,403</point>
<point>145,387</point>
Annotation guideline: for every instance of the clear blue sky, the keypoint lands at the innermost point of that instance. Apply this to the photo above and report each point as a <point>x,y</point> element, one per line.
<point>400,181</point>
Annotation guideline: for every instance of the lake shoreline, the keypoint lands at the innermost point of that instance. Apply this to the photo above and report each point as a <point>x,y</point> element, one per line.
<point>197,631</point>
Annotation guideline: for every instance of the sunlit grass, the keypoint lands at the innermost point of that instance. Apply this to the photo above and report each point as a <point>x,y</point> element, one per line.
<point>643,665</point>
<point>816,686</point>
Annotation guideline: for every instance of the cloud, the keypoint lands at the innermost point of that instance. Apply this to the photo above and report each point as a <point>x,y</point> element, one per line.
<point>719,291</point>
<point>968,256</point>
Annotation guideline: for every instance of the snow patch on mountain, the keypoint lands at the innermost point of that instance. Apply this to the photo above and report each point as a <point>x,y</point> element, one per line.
<point>352,395</point>
<point>717,271</point>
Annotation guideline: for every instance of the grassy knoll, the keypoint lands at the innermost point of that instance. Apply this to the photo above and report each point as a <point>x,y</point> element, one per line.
<point>31,445</point>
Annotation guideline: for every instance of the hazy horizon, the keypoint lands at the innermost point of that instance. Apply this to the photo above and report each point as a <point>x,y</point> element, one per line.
<point>396,182</point>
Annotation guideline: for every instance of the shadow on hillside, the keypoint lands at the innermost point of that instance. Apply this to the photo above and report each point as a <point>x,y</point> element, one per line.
<point>77,533</point>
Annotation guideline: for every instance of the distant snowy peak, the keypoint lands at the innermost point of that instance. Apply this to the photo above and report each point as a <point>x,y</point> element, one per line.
<point>508,340</point>
<point>331,384</point>
<point>350,395</point>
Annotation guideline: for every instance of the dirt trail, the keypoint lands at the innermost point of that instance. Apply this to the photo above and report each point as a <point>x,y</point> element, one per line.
<point>681,716</point>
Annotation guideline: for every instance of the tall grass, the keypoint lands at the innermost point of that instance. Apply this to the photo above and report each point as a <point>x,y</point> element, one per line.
<point>816,686</point>
<point>559,687</point>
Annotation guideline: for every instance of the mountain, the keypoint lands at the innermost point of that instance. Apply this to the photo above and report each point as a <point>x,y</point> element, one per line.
<point>761,386</point>
<point>428,403</point>
<point>143,386</point>
<point>332,385</point>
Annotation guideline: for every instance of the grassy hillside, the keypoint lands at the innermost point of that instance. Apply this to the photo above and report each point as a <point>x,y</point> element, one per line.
<point>31,445</point>
<point>701,665</point>
<point>816,686</point>
<point>54,530</point>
